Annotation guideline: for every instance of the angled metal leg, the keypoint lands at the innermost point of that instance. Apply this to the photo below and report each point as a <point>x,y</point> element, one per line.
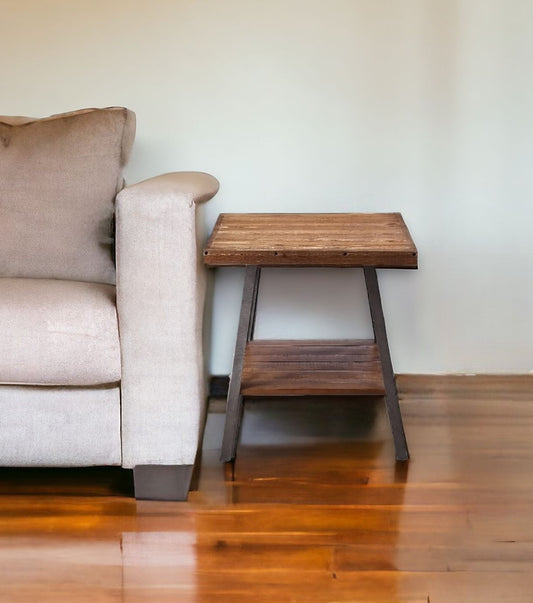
<point>245,333</point>
<point>391,393</point>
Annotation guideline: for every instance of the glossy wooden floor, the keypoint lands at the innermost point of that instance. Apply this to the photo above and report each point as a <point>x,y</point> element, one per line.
<point>318,512</point>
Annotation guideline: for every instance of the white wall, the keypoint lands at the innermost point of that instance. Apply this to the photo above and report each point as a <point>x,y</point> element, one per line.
<point>418,106</point>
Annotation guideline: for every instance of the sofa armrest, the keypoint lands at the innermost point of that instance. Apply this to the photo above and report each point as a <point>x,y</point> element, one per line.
<point>196,187</point>
<point>160,300</point>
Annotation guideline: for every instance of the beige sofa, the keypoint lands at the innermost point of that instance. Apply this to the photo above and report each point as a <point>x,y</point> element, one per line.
<point>100,335</point>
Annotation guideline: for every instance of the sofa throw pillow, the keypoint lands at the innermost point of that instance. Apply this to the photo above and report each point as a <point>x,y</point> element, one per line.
<point>58,180</point>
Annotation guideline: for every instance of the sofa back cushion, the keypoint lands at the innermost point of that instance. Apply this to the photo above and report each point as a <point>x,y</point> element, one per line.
<point>58,180</point>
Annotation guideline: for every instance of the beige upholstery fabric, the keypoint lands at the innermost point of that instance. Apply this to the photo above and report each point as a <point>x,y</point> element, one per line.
<point>58,332</point>
<point>74,393</point>
<point>160,298</point>
<point>58,180</point>
<point>59,427</point>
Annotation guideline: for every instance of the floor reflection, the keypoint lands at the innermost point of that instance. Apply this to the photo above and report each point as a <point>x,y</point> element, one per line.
<point>315,495</point>
<point>160,565</point>
<point>315,509</point>
<point>317,451</point>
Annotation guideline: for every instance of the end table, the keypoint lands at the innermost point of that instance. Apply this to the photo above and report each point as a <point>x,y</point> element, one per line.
<point>313,367</point>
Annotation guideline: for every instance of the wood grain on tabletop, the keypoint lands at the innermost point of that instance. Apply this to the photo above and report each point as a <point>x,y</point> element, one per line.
<point>380,240</point>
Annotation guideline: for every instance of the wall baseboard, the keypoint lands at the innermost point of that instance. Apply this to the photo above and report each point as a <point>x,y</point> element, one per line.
<point>218,386</point>
<point>407,382</point>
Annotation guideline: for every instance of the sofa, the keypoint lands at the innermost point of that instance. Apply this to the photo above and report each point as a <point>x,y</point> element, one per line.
<point>101,303</point>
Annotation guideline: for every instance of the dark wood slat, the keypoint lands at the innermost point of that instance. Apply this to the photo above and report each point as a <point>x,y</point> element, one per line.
<point>274,388</point>
<point>285,349</point>
<point>303,368</point>
<point>380,240</point>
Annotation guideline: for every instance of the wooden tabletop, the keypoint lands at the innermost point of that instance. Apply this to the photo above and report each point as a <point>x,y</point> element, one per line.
<point>381,240</point>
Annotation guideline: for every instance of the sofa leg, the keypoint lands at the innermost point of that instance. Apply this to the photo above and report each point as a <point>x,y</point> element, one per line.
<point>162,482</point>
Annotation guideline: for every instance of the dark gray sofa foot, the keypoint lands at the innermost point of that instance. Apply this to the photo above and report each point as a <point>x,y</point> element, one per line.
<point>162,482</point>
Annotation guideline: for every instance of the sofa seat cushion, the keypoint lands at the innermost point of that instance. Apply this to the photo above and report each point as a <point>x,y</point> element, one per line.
<point>55,332</point>
<point>58,180</point>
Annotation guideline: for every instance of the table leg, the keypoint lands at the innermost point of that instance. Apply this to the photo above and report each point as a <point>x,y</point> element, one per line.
<point>245,333</point>
<point>391,393</point>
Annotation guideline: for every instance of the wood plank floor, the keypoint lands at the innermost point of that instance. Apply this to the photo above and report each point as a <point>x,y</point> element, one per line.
<point>318,510</point>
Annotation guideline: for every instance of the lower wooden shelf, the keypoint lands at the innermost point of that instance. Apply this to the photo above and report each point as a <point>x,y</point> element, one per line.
<point>312,368</point>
